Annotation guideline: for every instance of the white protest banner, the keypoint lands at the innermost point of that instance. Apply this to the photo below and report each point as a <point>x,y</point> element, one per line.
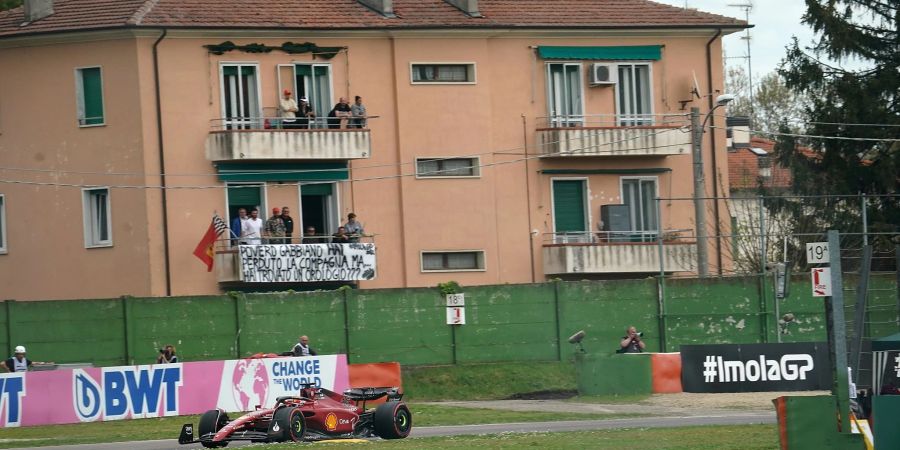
<point>292,263</point>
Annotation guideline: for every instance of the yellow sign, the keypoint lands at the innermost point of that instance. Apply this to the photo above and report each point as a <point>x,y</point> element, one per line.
<point>331,422</point>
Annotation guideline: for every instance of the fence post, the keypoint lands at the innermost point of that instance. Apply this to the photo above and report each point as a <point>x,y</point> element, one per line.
<point>661,281</point>
<point>346,324</point>
<point>896,281</point>
<point>862,293</point>
<point>558,325</point>
<point>239,307</point>
<point>763,262</point>
<point>126,324</point>
<point>837,329</point>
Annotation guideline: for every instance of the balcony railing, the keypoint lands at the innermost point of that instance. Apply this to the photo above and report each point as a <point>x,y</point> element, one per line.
<point>613,135</point>
<point>619,252</point>
<point>262,138</point>
<point>295,260</point>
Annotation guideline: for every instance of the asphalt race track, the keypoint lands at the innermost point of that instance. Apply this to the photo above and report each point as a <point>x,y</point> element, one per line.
<point>561,426</point>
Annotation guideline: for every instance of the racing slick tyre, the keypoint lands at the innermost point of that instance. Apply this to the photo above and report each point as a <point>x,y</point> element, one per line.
<point>211,422</point>
<point>392,420</point>
<point>288,425</point>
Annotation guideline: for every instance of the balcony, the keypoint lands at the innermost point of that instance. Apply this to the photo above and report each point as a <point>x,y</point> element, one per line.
<point>617,253</point>
<point>323,261</point>
<point>580,136</point>
<point>266,139</point>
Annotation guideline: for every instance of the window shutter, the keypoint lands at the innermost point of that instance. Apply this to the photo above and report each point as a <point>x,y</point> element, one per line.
<point>92,89</point>
<point>568,205</point>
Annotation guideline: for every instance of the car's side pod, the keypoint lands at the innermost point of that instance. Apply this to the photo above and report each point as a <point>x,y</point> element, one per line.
<point>187,434</point>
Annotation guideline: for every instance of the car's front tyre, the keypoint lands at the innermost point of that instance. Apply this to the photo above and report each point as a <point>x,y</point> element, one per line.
<point>211,422</point>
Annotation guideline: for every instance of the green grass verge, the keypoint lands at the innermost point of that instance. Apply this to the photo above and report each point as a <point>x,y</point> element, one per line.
<point>611,399</point>
<point>730,437</point>
<point>169,427</point>
<point>486,381</point>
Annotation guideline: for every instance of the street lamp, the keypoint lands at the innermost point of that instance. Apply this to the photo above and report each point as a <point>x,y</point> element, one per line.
<point>697,129</point>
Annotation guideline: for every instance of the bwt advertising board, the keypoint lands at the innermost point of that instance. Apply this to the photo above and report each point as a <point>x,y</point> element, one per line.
<point>129,392</point>
<point>292,263</point>
<point>755,367</point>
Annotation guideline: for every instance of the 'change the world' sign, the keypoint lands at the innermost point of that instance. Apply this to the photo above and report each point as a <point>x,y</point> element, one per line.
<point>293,263</point>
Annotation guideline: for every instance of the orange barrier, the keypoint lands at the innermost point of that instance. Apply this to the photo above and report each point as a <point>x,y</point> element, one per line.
<point>666,370</point>
<point>375,375</point>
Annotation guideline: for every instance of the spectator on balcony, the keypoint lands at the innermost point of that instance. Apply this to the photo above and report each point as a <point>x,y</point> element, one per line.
<point>309,237</point>
<point>289,109</point>
<point>354,227</point>
<point>251,231</point>
<point>288,224</point>
<point>302,348</point>
<point>337,118</point>
<point>341,237</point>
<point>237,224</point>
<point>274,229</point>
<point>358,110</point>
<point>305,112</point>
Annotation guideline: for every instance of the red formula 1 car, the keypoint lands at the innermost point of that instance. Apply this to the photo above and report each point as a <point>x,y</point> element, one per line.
<point>315,414</point>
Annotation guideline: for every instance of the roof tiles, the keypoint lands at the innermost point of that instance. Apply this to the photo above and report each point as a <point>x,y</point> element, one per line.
<point>70,15</point>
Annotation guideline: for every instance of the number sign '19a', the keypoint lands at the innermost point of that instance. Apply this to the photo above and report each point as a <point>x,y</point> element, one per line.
<point>817,253</point>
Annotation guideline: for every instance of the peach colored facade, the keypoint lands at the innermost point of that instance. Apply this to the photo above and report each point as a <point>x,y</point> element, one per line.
<point>506,211</point>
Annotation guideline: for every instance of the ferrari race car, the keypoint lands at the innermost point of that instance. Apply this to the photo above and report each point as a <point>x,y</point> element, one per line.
<point>313,415</point>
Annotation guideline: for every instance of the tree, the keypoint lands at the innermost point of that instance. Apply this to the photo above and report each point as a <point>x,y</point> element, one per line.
<point>773,102</point>
<point>9,4</point>
<point>864,32</point>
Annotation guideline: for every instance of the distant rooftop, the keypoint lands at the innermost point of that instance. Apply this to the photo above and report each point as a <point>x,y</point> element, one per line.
<point>83,15</point>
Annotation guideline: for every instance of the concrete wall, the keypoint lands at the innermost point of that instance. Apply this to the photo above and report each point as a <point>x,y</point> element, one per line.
<point>529,322</point>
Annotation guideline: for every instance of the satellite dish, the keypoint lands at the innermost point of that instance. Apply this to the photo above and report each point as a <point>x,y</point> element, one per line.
<point>695,88</point>
<point>577,337</point>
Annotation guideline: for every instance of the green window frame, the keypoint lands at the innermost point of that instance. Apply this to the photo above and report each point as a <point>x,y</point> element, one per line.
<point>570,213</point>
<point>453,261</point>
<point>89,96</point>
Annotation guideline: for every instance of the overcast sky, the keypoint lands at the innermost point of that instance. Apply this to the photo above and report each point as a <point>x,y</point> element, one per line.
<point>776,21</point>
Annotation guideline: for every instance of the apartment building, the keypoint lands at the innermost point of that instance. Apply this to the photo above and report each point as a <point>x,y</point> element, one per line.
<point>505,142</point>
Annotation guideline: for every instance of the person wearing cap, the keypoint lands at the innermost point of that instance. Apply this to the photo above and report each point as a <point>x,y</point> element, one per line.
<point>305,112</point>
<point>274,228</point>
<point>289,110</point>
<point>18,362</point>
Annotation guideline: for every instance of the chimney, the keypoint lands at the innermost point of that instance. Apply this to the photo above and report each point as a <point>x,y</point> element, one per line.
<point>37,9</point>
<point>384,7</point>
<point>469,7</point>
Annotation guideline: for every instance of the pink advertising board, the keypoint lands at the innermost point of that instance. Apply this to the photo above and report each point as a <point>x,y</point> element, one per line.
<point>129,392</point>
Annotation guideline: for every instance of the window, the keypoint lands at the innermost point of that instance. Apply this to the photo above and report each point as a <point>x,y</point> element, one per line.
<point>633,98</point>
<point>443,73</point>
<point>2,224</point>
<point>570,210</point>
<point>313,81</point>
<point>89,96</point>
<point>97,223</point>
<point>447,167</point>
<point>240,97</point>
<point>639,194</point>
<point>453,261</point>
<point>564,95</point>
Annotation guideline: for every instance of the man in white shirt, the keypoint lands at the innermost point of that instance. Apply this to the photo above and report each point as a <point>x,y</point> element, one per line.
<point>289,110</point>
<point>251,229</point>
<point>302,348</point>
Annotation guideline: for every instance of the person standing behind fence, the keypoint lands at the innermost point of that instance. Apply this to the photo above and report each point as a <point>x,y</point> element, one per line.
<point>18,362</point>
<point>358,110</point>
<point>303,349</point>
<point>275,227</point>
<point>237,224</point>
<point>289,111</point>
<point>631,342</point>
<point>252,229</point>
<point>353,227</point>
<point>288,224</point>
<point>167,355</point>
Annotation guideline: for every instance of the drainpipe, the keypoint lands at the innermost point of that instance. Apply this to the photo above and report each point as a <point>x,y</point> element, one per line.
<point>162,161</point>
<point>712,135</point>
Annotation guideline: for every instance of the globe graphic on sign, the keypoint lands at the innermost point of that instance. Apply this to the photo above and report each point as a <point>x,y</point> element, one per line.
<point>250,384</point>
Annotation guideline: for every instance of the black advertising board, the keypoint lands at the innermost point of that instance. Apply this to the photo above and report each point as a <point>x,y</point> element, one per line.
<point>801,366</point>
<point>890,376</point>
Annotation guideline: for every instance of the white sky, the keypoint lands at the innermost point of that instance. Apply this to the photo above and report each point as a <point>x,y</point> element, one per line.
<point>776,21</point>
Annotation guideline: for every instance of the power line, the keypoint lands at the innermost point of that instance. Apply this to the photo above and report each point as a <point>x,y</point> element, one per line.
<point>385,177</point>
<point>838,138</point>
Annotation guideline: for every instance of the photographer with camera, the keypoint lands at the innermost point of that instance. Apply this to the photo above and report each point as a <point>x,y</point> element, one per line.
<point>631,342</point>
<point>167,355</point>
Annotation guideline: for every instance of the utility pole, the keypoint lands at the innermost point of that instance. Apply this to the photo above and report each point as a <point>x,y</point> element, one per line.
<point>699,193</point>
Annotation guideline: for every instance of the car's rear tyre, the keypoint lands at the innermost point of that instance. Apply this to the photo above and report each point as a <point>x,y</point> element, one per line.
<point>288,425</point>
<point>211,422</point>
<point>392,420</point>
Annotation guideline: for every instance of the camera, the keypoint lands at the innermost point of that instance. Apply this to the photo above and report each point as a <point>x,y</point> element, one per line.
<point>162,350</point>
<point>640,334</point>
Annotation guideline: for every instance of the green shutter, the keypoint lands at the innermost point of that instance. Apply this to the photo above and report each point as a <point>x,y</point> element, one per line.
<point>568,205</point>
<point>230,71</point>
<point>277,171</point>
<point>303,70</point>
<point>244,196</point>
<point>92,90</point>
<point>317,189</point>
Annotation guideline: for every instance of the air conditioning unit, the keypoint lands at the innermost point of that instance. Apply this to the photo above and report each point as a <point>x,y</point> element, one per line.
<point>604,74</point>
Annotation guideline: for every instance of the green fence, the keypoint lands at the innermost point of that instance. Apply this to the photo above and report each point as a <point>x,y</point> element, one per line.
<point>529,322</point>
